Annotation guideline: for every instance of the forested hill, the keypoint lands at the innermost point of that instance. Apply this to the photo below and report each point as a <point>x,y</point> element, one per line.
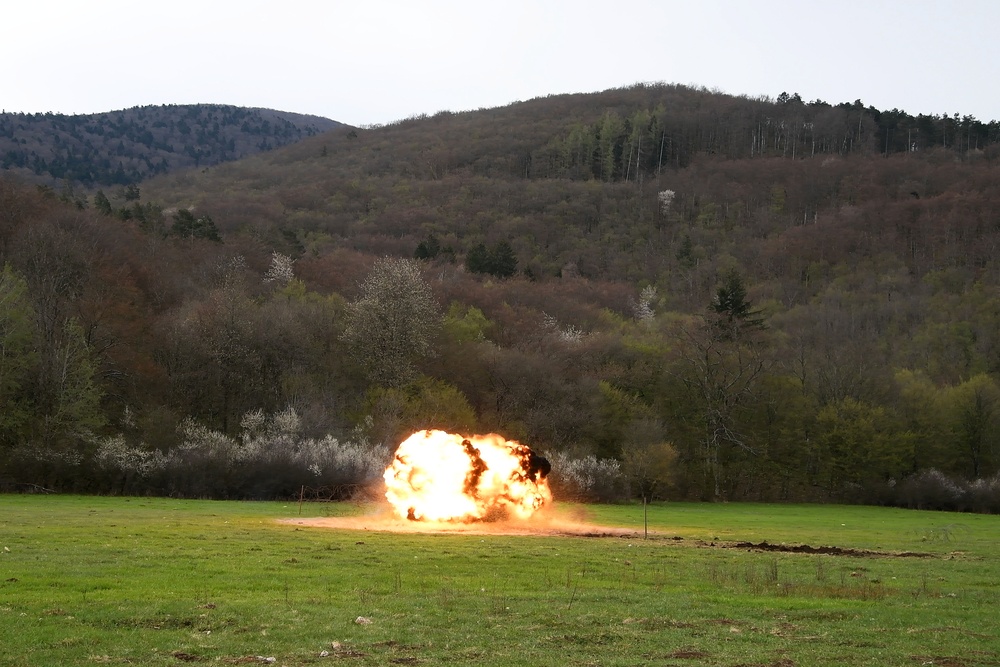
<point>668,290</point>
<point>125,147</point>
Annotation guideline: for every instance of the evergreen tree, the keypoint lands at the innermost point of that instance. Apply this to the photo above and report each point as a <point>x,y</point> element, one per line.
<point>186,225</point>
<point>429,248</point>
<point>478,259</point>
<point>735,312</point>
<point>503,261</point>
<point>499,261</point>
<point>102,203</point>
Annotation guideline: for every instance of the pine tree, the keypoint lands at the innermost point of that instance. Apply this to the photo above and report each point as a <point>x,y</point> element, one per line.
<point>736,314</point>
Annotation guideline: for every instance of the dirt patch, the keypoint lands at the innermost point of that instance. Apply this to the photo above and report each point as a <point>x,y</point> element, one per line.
<point>826,550</point>
<point>687,654</point>
<point>548,525</point>
<point>544,526</point>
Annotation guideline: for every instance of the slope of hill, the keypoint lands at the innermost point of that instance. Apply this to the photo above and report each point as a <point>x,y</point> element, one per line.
<point>663,185</point>
<point>782,299</point>
<point>125,147</point>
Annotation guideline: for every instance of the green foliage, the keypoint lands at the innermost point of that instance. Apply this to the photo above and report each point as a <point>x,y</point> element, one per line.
<point>778,198</point>
<point>17,354</point>
<point>619,410</point>
<point>429,248</point>
<point>465,324</point>
<point>50,390</point>
<point>923,413</point>
<point>186,225</point>
<point>425,403</point>
<point>685,252</point>
<point>735,312</point>
<point>69,396</point>
<point>648,460</point>
<point>478,259</point>
<point>102,203</point>
<point>498,260</point>
<point>972,411</point>
<point>860,443</point>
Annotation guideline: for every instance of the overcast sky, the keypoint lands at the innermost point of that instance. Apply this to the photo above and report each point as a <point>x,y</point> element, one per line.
<point>375,61</point>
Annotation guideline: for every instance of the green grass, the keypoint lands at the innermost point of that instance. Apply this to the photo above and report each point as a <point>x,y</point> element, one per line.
<point>87,581</point>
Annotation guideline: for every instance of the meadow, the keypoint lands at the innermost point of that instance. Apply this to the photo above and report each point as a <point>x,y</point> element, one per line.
<point>151,581</point>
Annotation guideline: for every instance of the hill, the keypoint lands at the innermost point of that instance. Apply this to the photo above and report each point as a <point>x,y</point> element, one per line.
<point>781,299</point>
<point>125,147</point>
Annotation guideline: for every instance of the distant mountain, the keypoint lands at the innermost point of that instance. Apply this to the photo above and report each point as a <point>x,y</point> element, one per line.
<point>128,146</point>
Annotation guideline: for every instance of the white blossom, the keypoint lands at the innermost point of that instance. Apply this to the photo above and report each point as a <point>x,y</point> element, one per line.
<point>643,308</point>
<point>666,198</point>
<point>585,477</point>
<point>281,271</point>
<point>567,334</point>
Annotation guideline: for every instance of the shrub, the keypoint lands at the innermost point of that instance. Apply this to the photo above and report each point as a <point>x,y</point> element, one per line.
<point>269,459</point>
<point>586,479</point>
<point>983,495</point>
<point>929,490</point>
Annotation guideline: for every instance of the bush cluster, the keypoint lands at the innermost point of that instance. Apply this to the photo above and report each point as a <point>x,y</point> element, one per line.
<point>933,490</point>
<point>586,479</point>
<point>268,459</point>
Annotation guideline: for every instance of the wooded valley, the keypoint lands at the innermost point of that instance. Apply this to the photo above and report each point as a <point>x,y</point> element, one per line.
<point>670,292</point>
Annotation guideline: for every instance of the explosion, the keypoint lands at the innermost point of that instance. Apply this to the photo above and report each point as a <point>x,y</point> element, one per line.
<point>438,476</point>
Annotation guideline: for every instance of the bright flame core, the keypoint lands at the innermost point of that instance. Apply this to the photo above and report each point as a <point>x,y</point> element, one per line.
<point>438,476</point>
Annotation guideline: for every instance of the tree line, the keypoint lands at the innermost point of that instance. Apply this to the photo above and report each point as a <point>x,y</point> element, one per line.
<point>632,145</point>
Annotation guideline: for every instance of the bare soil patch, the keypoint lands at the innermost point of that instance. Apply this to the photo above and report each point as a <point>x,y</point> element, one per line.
<point>547,525</point>
<point>542,526</point>
<point>827,550</point>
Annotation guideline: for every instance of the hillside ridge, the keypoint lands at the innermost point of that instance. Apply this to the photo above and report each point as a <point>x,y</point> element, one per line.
<point>124,147</point>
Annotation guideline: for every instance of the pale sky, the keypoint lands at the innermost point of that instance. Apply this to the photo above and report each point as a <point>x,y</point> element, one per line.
<point>375,61</point>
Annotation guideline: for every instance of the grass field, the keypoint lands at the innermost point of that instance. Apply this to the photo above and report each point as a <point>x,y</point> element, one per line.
<point>142,581</point>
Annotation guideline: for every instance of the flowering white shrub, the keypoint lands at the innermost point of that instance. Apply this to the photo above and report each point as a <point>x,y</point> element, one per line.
<point>117,455</point>
<point>570,334</point>
<point>63,456</point>
<point>281,271</point>
<point>643,308</point>
<point>586,478</point>
<point>268,458</point>
<point>338,462</point>
<point>198,439</point>
<point>666,198</point>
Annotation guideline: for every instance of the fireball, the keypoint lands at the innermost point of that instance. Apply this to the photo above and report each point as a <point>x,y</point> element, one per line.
<point>438,476</point>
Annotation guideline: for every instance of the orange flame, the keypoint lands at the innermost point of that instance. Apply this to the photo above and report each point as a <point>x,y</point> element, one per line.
<point>438,476</point>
